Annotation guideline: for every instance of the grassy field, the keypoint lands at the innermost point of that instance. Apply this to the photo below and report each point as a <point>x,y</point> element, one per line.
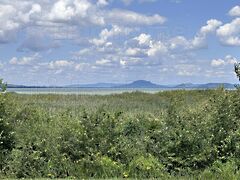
<point>169,135</point>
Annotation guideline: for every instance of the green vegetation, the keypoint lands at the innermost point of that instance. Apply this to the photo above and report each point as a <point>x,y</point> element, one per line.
<point>237,69</point>
<point>169,135</point>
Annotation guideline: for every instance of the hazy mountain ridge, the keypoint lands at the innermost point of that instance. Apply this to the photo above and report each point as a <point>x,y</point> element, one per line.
<point>139,84</point>
<point>135,84</point>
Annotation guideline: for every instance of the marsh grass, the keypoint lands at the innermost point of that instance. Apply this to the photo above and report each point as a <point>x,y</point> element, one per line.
<point>168,135</point>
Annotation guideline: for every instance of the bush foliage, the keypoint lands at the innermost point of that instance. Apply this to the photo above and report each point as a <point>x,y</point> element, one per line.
<point>132,135</point>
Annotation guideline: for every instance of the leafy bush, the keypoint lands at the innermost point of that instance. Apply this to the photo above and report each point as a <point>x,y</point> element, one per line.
<point>219,170</point>
<point>146,167</point>
<point>6,131</point>
<point>237,69</point>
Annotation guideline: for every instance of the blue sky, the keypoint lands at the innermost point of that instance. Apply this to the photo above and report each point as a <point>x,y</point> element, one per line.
<point>59,42</point>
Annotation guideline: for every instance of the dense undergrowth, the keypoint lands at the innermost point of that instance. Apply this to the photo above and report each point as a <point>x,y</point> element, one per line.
<point>177,134</point>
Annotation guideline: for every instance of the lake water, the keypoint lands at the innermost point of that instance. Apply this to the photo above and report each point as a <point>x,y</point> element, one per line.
<point>87,91</point>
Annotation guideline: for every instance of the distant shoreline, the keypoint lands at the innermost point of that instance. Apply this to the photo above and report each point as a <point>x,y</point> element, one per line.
<point>136,84</point>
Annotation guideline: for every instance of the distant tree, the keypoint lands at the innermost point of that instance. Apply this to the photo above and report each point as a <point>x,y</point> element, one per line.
<point>3,86</point>
<point>237,69</point>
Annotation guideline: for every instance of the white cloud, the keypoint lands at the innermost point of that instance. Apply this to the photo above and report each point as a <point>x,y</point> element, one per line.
<point>81,66</point>
<point>102,2</point>
<point>135,52</point>
<point>228,60</point>
<point>13,17</point>
<point>75,12</point>
<point>143,39</point>
<point>131,18</point>
<point>132,51</point>
<point>217,62</point>
<point>187,69</point>
<point>26,17</point>
<point>229,33</point>
<point>133,61</point>
<point>62,11</point>
<point>126,42</point>
<point>145,50</point>
<point>116,30</point>
<point>97,42</point>
<point>128,2</point>
<point>211,26</point>
<point>199,40</point>
<point>64,19</point>
<point>7,23</point>
<point>106,34</point>
<point>123,62</point>
<point>26,60</point>
<point>84,12</point>
<point>179,42</point>
<point>60,64</point>
<point>157,48</point>
<point>82,52</point>
<point>103,62</point>
<point>147,46</point>
<point>235,11</point>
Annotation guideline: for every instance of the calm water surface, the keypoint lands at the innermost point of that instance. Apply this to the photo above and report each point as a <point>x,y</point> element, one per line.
<point>88,91</point>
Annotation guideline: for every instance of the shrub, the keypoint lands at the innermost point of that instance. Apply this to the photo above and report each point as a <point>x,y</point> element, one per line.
<point>219,170</point>
<point>145,167</point>
<point>237,69</point>
<point>6,131</point>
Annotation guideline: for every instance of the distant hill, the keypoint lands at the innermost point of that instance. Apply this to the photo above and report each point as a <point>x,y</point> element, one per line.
<point>215,85</point>
<point>139,84</point>
<point>23,86</point>
<point>135,84</point>
<point>148,84</point>
<point>15,86</point>
<point>205,86</point>
<point>186,85</point>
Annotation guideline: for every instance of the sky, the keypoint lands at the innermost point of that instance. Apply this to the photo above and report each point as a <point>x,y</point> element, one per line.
<point>62,42</point>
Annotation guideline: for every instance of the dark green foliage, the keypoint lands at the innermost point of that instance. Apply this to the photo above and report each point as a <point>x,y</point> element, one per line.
<point>192,134</point>
<point>237,69</point>
<point>6,141</point>
<point>3,86</point>
<point>6,131</point>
